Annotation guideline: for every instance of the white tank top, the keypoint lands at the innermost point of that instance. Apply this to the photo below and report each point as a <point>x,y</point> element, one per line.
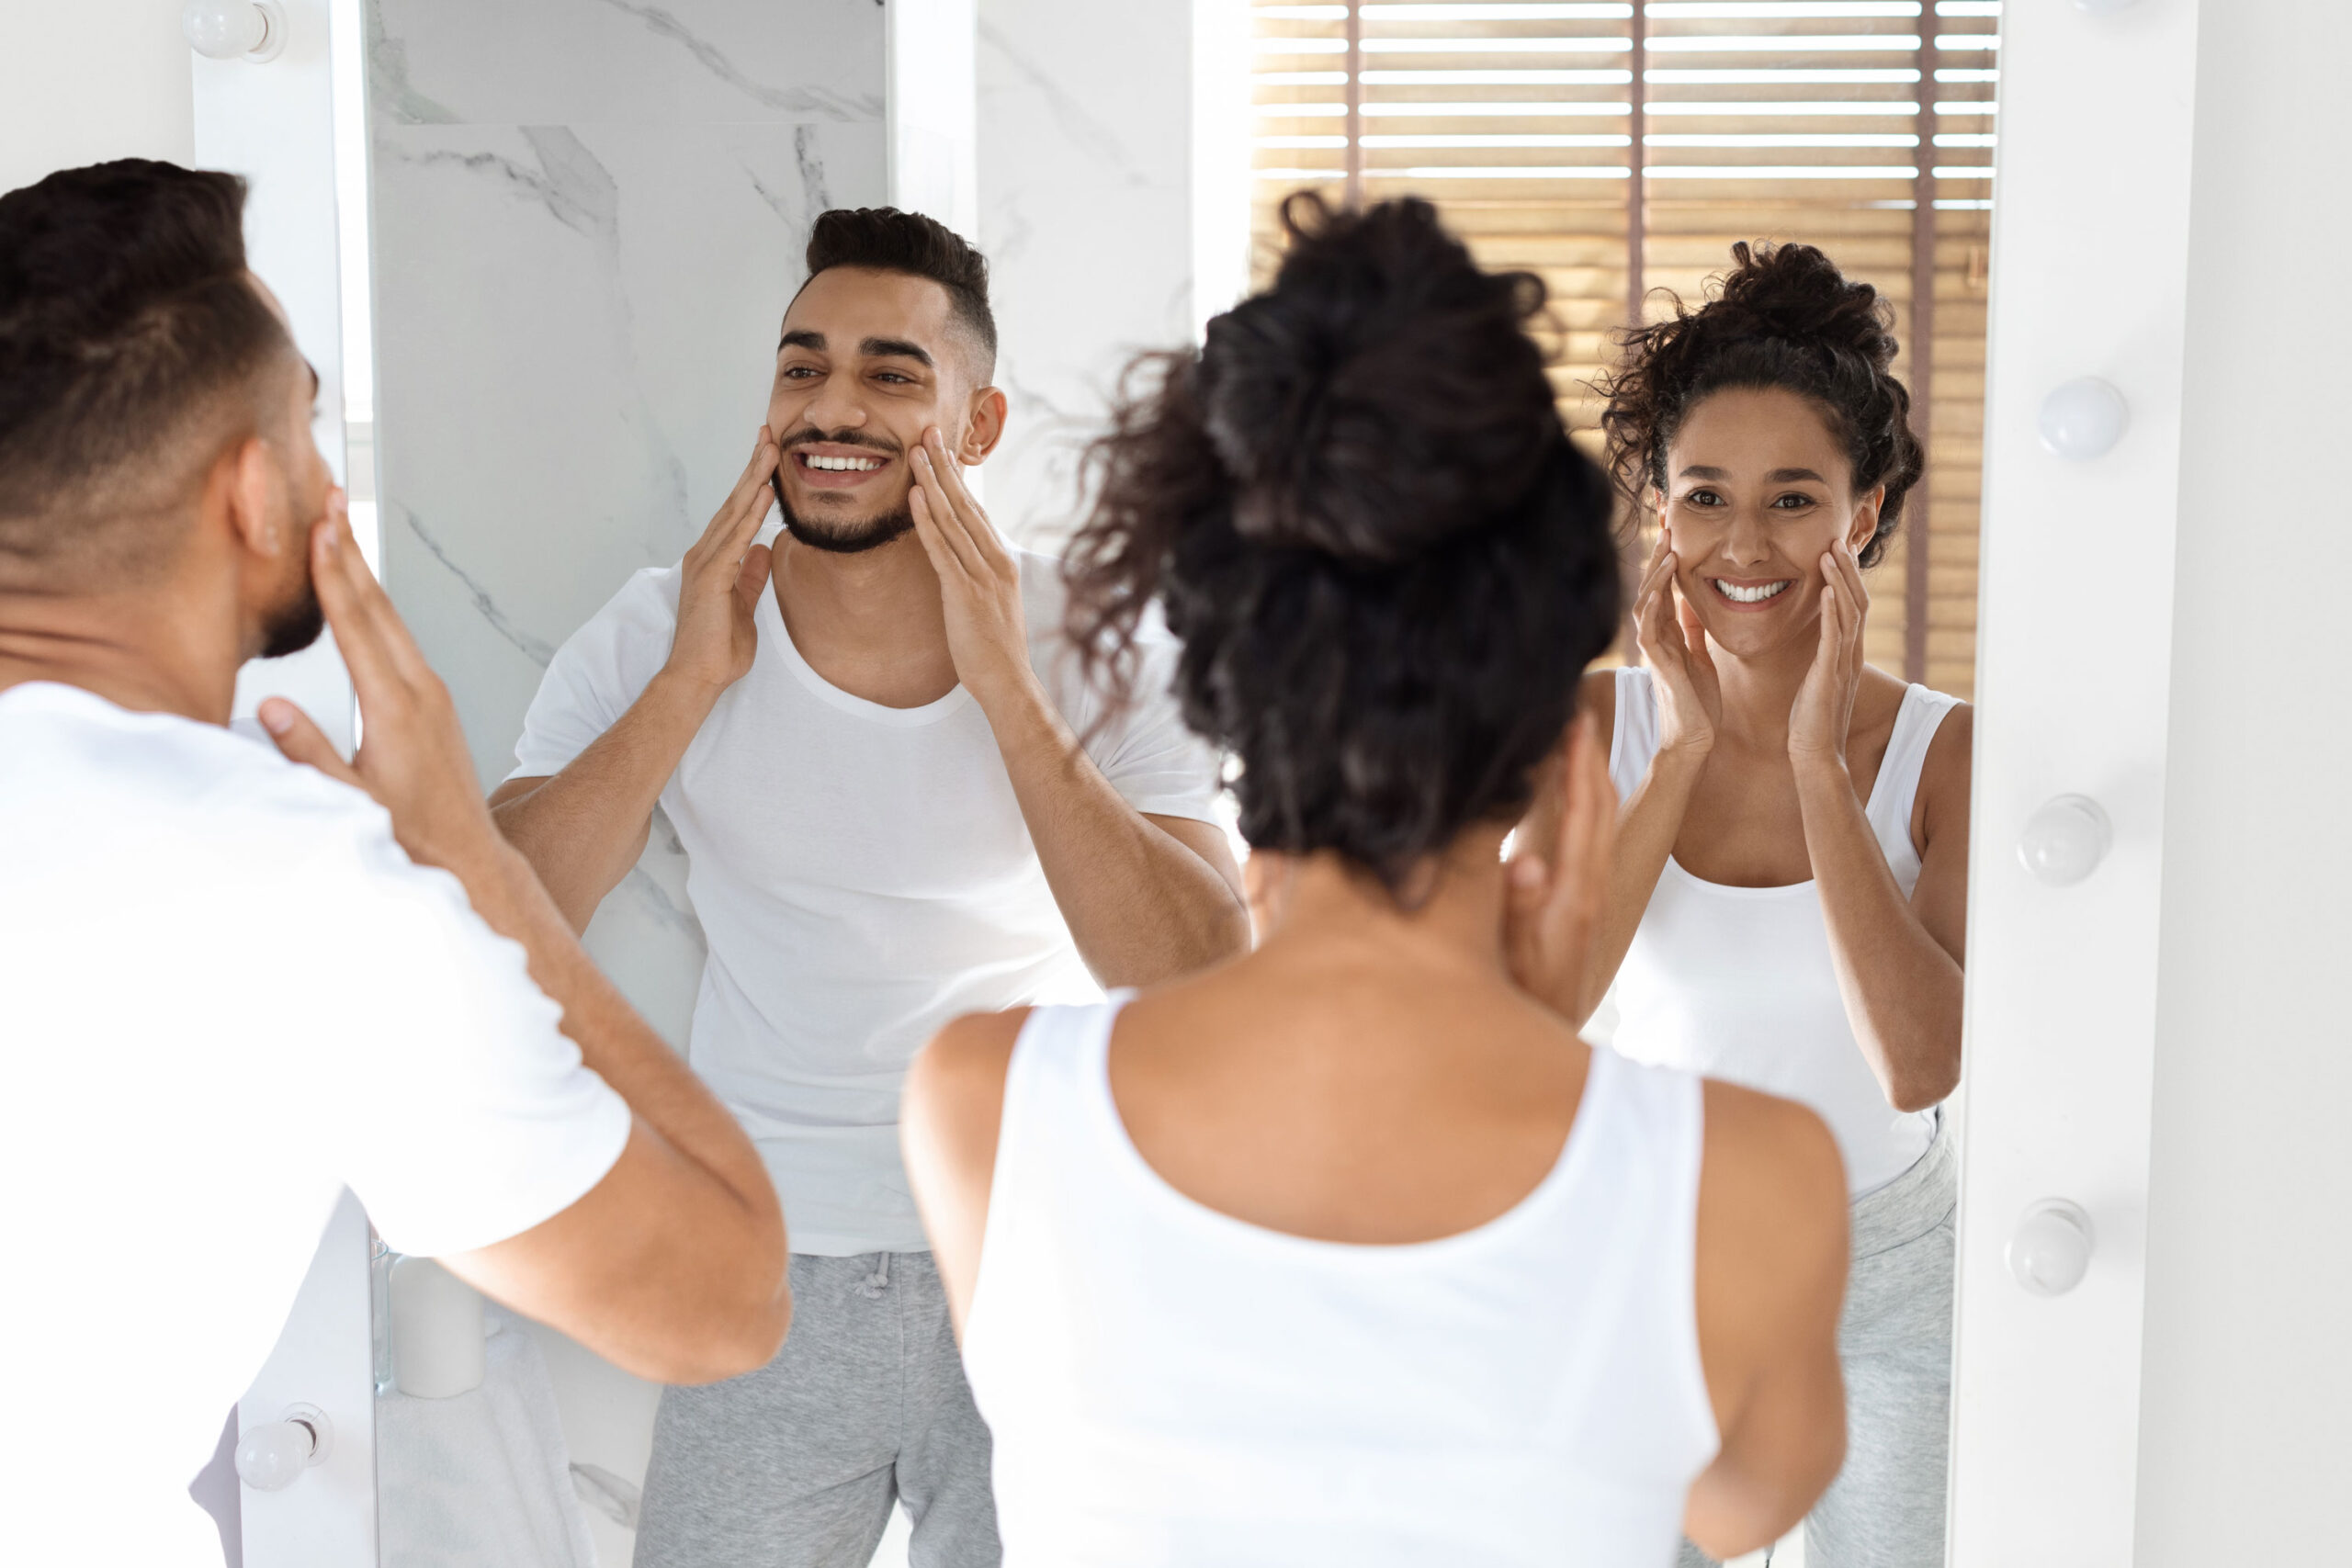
<point>1736,983</point>
<point>1168,1384</point>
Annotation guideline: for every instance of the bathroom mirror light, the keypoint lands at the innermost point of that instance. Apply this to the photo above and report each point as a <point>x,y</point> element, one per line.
<point>2083,419</point>
<point>2103,7</point>
<point>273,1456</point>
<point>2050,1250</point>
<point>233,29</point>
<point>2065,840</point>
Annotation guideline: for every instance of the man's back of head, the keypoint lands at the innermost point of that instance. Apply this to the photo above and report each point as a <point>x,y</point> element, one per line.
<point>134,348</point>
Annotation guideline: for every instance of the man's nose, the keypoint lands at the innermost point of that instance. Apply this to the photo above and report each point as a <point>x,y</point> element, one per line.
<point>835,406</point>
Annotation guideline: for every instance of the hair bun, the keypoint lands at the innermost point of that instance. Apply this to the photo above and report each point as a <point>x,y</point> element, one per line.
<point>1796,291</point>
<point>1383,395</point>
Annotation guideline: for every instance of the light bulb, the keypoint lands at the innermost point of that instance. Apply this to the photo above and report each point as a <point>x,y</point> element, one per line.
<point>273,1455</point>
<point>234,29</point>
<point>2064,841</point>
<point>2083,419</point>
<point>2050,1250</point>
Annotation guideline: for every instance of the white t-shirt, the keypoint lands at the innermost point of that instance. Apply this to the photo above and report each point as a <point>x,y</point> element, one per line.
<point>225,994</point>
<point>863,875</point>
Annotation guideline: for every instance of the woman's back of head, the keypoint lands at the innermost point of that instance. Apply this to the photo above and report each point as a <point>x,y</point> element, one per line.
<point>1384,561</point>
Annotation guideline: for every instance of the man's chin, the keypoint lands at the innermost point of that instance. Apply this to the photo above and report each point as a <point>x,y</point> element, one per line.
<point>294,628</point>
<point>849,538</point>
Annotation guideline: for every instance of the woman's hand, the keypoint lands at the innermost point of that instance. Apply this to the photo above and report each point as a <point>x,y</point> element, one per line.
<point>1674,645</point>
<point>1824,710</point>
<point>1555,890</point>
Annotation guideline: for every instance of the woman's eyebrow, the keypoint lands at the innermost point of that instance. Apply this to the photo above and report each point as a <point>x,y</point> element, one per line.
<point>1796,474</point>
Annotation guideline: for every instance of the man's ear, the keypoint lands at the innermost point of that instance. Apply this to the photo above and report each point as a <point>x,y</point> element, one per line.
<point>247,490</point>
<point>984,428</point>
<point>1865,520</point>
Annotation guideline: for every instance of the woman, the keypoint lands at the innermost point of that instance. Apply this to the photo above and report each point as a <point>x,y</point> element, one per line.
<point>1349,1251</point>
<point>1790,892</point>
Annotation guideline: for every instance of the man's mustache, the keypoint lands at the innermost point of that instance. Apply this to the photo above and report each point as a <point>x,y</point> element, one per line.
<point>839,438</point>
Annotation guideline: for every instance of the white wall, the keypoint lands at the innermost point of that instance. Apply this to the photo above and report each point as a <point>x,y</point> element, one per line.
<point>2244,1443</point>
<point>83,82</point>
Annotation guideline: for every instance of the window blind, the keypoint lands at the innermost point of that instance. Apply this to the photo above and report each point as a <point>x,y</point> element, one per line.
<point>1618,147</point>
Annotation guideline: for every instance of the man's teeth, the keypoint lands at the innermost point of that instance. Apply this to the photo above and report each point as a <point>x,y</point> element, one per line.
<point>841,465</point>
<point>1739,595</point>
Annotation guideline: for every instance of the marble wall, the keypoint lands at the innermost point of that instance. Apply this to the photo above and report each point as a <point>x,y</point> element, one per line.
<point>588,216</point>
<point>1086,215</point>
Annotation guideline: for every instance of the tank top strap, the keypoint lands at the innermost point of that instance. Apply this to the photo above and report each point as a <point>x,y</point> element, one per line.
<point>1896,789</point>
<point>1633,739</point>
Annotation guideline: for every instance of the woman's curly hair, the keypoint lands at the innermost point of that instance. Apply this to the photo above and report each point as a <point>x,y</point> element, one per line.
<point>1784,316</point>
<point>1385,564</point>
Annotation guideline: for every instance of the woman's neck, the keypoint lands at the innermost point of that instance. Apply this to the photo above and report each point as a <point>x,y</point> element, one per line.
<point>1759,690</point>
<point>1449,917</point>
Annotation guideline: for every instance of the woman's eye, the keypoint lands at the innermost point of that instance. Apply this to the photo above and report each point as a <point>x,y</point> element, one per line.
<point>1703,498</point>
<point>1791,502</point>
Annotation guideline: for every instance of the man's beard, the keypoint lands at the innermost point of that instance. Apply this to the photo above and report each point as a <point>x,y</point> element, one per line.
<point>295,625</point>
<point>871,533</point>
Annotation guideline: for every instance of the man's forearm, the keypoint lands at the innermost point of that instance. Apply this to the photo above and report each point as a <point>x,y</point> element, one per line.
<point>1141,907</point>
<point>614,1040</point>
<point>584,828</point>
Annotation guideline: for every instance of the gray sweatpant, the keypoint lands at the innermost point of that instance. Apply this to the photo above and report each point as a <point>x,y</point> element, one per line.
<point>1886,1507</point>
<point>798,1465</point>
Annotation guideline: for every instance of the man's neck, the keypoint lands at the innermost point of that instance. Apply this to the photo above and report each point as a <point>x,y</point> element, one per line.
<point>151,651</point>
<point>870,622</point>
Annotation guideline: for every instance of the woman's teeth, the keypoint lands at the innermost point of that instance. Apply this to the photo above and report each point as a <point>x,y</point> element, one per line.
<point>841,465</point>
<point>1739,595</point>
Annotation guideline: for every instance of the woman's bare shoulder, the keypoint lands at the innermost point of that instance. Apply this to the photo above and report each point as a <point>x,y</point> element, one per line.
<point>1596,695</point>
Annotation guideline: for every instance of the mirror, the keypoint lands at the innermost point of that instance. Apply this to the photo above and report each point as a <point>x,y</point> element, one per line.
<point>586,223</point>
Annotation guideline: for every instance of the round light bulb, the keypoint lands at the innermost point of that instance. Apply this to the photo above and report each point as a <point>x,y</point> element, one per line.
<point>2064,841</point>
<point>2083,419</point>
<point>2050,1250</point>
<point>273,1455</point>
<point>234,29</point>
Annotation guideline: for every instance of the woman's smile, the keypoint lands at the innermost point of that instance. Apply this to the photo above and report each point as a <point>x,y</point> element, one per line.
<point>1751,594</point>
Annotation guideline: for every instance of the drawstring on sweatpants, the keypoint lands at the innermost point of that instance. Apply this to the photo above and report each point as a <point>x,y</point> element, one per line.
<point>874,1284</point>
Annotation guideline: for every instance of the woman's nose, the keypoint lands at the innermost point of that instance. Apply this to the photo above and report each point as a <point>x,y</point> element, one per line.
<point>1746,540</point>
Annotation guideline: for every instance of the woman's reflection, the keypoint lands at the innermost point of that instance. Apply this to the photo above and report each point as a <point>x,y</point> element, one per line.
<point>1790,892</point>
<point>1349,1251</point>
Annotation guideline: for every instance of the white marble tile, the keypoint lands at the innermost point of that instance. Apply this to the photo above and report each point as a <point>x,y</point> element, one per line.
<point>657,61</point>
<point>1086,216</point>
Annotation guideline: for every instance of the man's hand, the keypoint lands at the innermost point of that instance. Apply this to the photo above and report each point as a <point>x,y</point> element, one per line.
<point>979,580</point>
<point>720,581</point>
<point>414,759</point>
<point>1557,891</point>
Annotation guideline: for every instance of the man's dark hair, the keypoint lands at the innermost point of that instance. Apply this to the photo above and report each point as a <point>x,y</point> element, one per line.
<point>888,240</point>
<point>131,346</point>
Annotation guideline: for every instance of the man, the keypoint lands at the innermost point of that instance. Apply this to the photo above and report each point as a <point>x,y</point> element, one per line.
<point>230,984</point>
<point>899,805</point>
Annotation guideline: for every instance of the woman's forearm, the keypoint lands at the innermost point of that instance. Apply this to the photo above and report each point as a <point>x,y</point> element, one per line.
<point>1902,989</point>
<point>1647,825</point>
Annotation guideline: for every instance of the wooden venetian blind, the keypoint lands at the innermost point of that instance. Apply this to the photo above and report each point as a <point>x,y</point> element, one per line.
<point>1619,148</point>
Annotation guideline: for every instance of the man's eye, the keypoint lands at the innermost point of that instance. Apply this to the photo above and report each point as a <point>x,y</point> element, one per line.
<point>798,372</point>
<point>894,376</point>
